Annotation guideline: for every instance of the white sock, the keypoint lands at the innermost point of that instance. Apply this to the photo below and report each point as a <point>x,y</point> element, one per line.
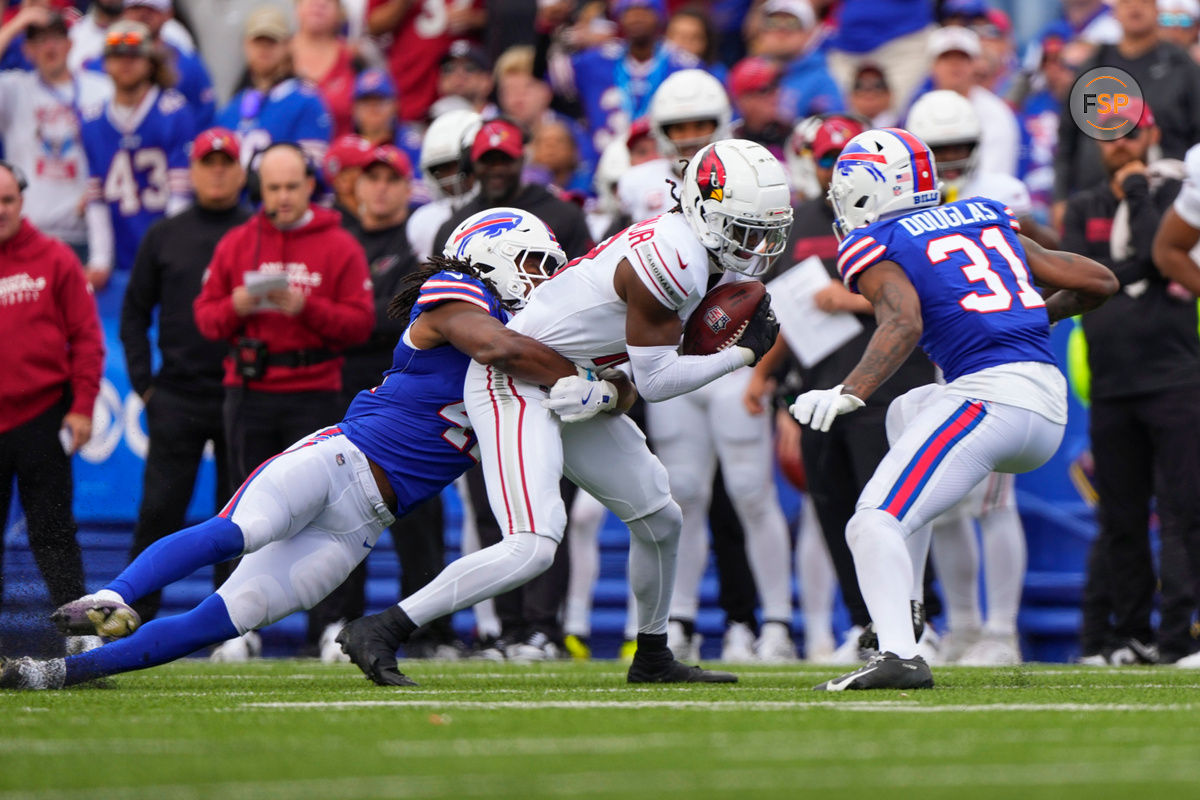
<point>885,574</point>
<point>768,549</point>
<point>917,545</point>
<point>513,561</point>
<point>583,529</point>
<point>818,581</point>
<point>653,550</point>
<point>693,560</point>
<point>956,559</point>
<point>487,622</point>
<point>1003,568</point>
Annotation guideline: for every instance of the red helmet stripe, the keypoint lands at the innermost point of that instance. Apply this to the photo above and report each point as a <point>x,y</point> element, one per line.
<point>922,163</point>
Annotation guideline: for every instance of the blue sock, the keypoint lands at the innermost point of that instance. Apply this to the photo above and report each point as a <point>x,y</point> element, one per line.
<point>156,642</point>
<point>177,556</point>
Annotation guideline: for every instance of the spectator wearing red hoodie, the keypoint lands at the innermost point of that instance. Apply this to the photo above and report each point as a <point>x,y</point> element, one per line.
<point>283,377</point>
<point>51,366</point>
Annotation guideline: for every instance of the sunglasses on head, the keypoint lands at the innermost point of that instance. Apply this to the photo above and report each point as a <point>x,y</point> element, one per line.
<point>127,39</point>
<point>1175,21</point>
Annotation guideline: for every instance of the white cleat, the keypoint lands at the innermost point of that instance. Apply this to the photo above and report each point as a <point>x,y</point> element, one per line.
<point>957,642</point>
<point>537,646</point>
<point>775,645</point>
<point>331,651</point>
<point>992,650</point>
<point>685,649</point>
<point>1189,662</point>
<point>32,673</point>
<point>738,645</point>
<point>243,648</point>
<point>81,644</point>
<point>929,645</point>
<point>850,652</point>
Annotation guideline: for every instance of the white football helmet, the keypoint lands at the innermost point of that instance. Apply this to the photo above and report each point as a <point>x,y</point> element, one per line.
<point>686,95</point>
<point>944,118</point>
<point>444,142</point>
<point>798,153</point>
<point>736,200</point>
<point>879,173</point>
<point>613,163</point>
<point>513,249</point>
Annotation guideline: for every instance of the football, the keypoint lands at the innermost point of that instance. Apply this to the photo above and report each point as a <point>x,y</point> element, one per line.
<point>721,317</point>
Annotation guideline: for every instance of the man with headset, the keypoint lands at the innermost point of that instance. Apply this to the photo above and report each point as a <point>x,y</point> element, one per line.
<point>289,291</point>
<point>51,370</point>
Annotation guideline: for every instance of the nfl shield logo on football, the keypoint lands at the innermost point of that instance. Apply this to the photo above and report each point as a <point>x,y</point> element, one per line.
<point>716,319</point>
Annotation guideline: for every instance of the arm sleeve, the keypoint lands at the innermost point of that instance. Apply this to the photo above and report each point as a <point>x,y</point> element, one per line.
<point>136,312</point>
<point>213,307</point>
<point>99,231</point>
<point>84,337</point>
<point>345,318</point>
<point>661,373</point>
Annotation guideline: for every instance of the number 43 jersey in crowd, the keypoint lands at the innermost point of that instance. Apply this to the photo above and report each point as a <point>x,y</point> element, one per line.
<point>978,303</point>
<point>136,162</point>
<point>414,424</point>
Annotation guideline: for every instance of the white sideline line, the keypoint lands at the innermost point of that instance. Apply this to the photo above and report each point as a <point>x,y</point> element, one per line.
<point>886,706</point>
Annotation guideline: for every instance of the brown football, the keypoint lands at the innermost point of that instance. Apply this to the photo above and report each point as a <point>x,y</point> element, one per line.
<point>721,317</point>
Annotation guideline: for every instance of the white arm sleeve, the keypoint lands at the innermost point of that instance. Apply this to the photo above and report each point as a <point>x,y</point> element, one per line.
<point>661,373</point>
<point>100,236</point>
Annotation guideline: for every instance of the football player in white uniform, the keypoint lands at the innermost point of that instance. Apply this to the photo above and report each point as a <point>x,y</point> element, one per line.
<point>447,175</point>
<point>693,431</point>
<point>627,300</point>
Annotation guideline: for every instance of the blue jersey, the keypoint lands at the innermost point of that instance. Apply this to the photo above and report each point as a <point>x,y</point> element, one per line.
<point>291,111</point>
<point>978,304</point>
<point>136,170</point>
<point>414,424</point>
<point>193,82</point>
<point>614,91</point>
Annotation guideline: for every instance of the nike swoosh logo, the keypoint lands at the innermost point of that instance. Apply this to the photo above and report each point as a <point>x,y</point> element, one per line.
<point>680,260</point>
<point>588,396</point>
<point>839,685</point>
<point>367,543</point>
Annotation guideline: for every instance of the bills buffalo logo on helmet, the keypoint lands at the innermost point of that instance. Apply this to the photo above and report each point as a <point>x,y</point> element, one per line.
<point>489,227</point>
<point>716,319</point>
<point>711,177</point>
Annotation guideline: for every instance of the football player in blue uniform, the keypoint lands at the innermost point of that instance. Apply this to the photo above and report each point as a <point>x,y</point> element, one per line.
<point>955,279</point>
<point>306,517</point>
<point>136,147</point>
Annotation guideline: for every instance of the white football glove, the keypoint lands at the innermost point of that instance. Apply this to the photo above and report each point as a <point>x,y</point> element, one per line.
<point>819,407</point>
<point>576,398</point>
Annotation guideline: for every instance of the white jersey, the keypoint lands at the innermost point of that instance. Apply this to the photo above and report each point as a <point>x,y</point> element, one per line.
<point>423,225</point>
<point>1187,202</point>
<point>643,191</point>
<point>40,130</point>
<point>578,312</point>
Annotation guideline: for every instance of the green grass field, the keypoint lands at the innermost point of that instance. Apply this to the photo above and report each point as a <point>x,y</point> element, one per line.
<point>300,730</point>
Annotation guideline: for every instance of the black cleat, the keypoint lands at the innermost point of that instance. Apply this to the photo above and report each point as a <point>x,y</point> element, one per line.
<point>884,671</point>
<point>372,647</point>
<point>644,671</point>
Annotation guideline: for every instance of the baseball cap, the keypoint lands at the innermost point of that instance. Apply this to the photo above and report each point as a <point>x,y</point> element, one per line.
<point>833,135</point>
<point>639,128</point>
<point>753,74</point>
<point>374,83</point>
<point>619,7</point>
<point>55,23</point>
<point>158,5</point>
<point>499,134</point>
<point>393,157</point>
<point>128,38</point>
<point>216,140</point>
<point>267,22</point>
<point>800,9</point>
<point>346,152</point>
<point>1178,13</point>
<point>468,51</point>
<point>1137,112</point>
<point>953,39</point>
<point>963,8</point>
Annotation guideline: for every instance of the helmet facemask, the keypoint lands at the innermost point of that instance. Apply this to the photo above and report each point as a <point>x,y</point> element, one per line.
<point>748,246</point>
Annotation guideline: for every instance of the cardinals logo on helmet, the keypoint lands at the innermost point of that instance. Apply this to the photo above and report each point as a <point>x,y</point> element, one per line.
<point>711,177</point>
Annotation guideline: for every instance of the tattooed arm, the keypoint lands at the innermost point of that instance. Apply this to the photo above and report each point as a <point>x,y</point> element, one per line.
<point>898,312</point>
<point>1081,283</point>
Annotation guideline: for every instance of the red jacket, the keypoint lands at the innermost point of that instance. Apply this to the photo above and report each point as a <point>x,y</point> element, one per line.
<point>322,260</point>
<point>49,326</point>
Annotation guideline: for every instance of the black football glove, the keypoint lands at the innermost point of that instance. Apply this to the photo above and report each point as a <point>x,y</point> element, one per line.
<point>761,331</point>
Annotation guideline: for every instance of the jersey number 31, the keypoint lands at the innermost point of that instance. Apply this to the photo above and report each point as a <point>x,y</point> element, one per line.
<point>998,296</point>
